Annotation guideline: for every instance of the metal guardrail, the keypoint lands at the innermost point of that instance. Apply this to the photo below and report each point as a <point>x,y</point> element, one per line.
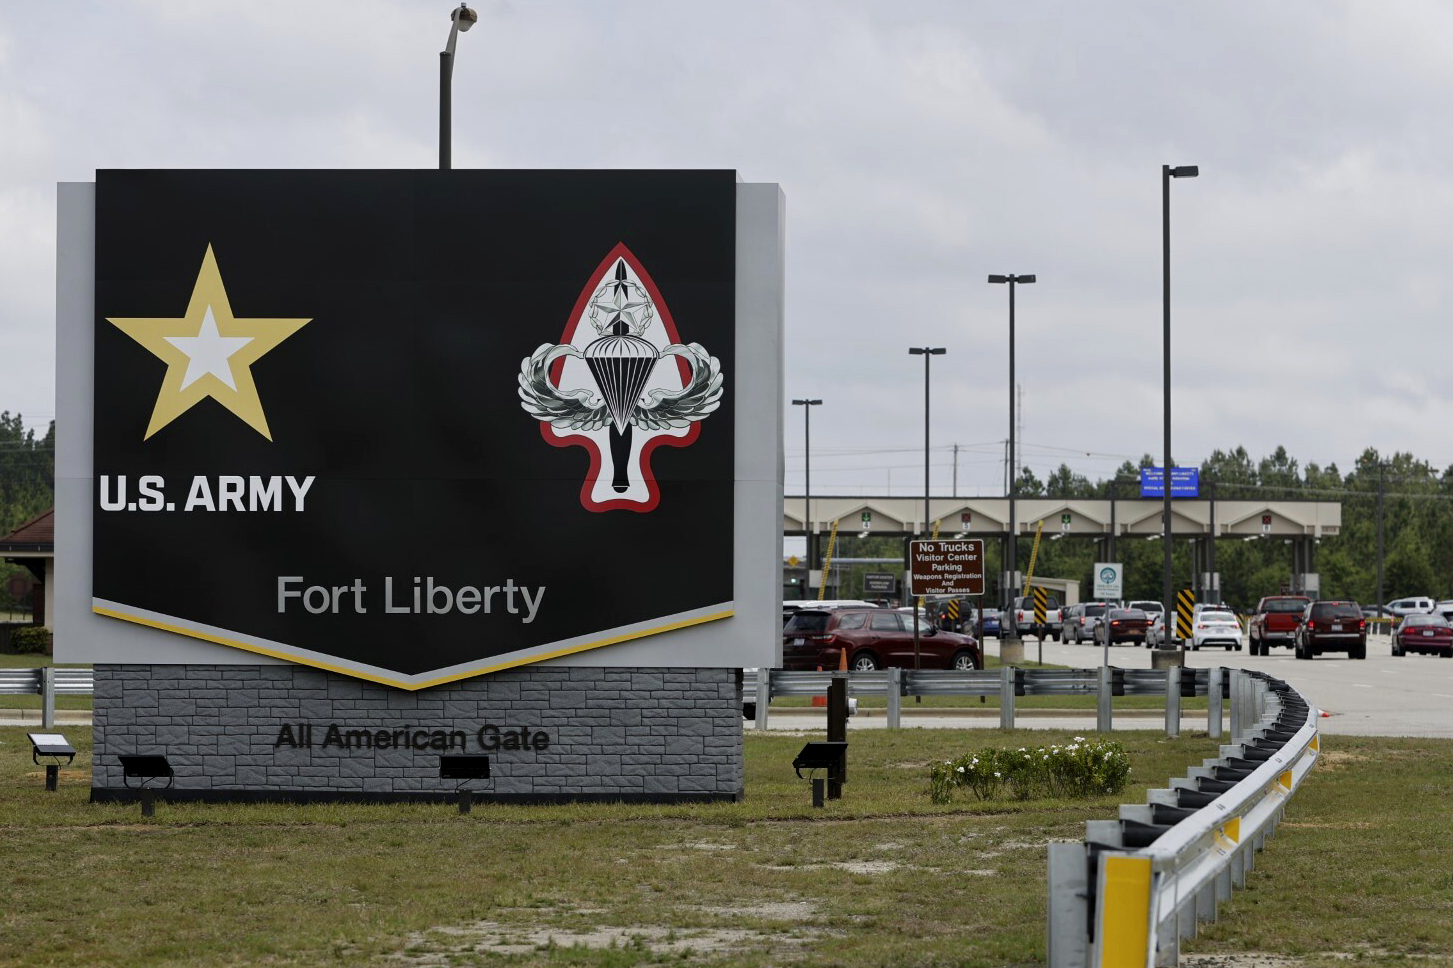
<point>1139,885</point>
<point>47,682</point>
<point>1005,682</point>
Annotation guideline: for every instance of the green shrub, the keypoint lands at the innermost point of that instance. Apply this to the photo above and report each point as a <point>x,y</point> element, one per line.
<point>1084,768</point>
<point>31,640</point>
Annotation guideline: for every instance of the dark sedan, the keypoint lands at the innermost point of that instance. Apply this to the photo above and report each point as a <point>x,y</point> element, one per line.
<point>1429,634</point>
<point>1123,625</point>
<point>874,638</point>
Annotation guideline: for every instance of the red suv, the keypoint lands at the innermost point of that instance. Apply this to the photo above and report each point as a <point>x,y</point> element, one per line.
<point>1332,627</point>
<point>873,638</point>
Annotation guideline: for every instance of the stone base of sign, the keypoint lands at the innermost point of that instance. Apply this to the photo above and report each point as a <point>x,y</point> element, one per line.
<point>1166,658</point>
<point>1011,652</point>
<point>285,732</point>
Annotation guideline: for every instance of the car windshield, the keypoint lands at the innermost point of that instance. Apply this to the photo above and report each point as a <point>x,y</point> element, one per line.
<point>1284,605</point>
<point>807,622</point>
<point>1147,606</point>
<point>1336,610</point>
<point>1094,609</point>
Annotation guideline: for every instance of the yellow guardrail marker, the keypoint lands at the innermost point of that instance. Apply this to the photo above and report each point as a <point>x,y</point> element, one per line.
<point>1125,913</point>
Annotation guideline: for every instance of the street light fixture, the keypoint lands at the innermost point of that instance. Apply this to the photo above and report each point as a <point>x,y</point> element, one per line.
<point>460,20</point>
<point>807,406</point>
<point>926,352</point>
<point>1011,559</point>
<point>1168,172</point>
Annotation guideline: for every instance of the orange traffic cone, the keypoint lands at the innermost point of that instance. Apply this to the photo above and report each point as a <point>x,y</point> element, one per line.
<point>819,700</point>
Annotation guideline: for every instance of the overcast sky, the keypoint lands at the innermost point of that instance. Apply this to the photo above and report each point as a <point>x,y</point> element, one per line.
<point>921,146</point>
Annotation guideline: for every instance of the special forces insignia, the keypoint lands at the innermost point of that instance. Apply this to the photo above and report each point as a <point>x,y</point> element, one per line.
<point>607,386</point>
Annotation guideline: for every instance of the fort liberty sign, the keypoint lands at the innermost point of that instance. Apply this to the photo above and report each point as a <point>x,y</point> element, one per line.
<point>414,428</point>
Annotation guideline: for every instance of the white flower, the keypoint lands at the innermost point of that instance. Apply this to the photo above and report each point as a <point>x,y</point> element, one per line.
<point>1079,739</point>
<point>998,774</point>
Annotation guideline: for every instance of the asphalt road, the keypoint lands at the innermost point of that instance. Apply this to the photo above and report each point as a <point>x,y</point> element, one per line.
<point>1376,696</point>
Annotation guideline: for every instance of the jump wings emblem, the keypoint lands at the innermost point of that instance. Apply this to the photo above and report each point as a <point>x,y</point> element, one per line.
<point>608,385</point>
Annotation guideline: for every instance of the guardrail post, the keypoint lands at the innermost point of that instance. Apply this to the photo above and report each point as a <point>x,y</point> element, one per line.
<point>1102,701</point>
<point>1069,892</point>
<point>1236,704</point>
<point>895,698</point>
<point>764,695</point>
<point>1214,698</point>
<point>1006,697</point>
<point>47,697</point>
<point>1173,701</point>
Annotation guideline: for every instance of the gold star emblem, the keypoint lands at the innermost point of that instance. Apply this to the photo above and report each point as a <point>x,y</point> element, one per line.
<point>208,352</point>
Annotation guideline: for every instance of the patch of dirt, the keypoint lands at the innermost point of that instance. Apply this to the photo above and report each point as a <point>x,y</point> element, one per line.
<point>699,845</point>
<point>1349,825</point>
<point>1247,959</point>
<point>1334,758</point>
<point>851,866</point>
<point>63,774</point>
<point>770,911</point>
<point>441,946</point>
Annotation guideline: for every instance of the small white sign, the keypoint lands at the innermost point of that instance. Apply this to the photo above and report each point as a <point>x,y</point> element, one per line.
<point>1109,579</point>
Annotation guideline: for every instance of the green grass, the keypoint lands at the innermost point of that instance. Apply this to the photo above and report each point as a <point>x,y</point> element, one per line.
<point>882,877</point>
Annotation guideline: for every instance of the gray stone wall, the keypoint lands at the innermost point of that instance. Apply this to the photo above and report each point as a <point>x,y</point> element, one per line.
<point>656,734</point>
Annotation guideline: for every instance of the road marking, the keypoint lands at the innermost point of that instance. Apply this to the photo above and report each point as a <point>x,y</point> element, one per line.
<point>1442,695</point>
<point>1361,685</point>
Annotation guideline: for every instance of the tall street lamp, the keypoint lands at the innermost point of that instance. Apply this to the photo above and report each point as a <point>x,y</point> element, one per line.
<point>1168,172</point>
<point>460,20</point>
<point>1011,556</point>
<point>926,352</point>
<point>807,406</point>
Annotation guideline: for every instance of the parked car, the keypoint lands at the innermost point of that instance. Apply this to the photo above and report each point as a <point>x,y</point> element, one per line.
<point>1080,621</point>
<point>872,638</point>
<point>1410,606</point>
<point>1428,634</point>
<point>1155,632</point>
<point>1123,625</point>
<point>1275,622</point>
<point>1216,626</point>
<point>991,622</point>
<point>1021,618</point>
<point>1444,609</point>
<point>1332,627</point>
<point>1151,609</point>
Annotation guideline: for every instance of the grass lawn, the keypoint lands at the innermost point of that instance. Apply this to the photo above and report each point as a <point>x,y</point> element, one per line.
<point>882,877</point>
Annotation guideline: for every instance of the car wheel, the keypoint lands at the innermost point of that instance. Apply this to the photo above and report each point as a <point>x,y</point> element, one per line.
<point>1397,652</point>
<point>1195,648</point>
<point>865,662</point>
<point>963,661</point>
<point>1358,653</point>
<point>1237,647</point>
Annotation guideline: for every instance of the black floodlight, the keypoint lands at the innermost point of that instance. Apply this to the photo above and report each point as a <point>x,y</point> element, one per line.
<point>146,767</point>
<point>464,769</point>
<point>1185,171</point>
<point>999,279</point>
<point>820,755</point>
<point>52,745</point>
<point>926,350</point>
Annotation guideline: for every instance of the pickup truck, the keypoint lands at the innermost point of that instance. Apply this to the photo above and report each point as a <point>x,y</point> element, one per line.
<point>1275,622</point>
<point>1021,618</point>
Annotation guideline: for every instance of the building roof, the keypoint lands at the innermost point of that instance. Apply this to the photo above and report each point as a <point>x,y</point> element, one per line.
<point>37,534</point>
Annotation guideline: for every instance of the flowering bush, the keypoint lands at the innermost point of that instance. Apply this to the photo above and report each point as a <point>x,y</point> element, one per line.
<point>1084,768</point>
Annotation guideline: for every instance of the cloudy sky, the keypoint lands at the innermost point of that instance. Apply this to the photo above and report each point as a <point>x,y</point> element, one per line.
<point>921,145</point>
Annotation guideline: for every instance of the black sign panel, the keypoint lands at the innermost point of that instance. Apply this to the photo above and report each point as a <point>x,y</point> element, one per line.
<point>880,582</point>
<point>402,422</point>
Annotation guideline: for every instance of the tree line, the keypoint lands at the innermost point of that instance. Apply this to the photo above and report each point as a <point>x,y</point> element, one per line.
<point>27,484</point>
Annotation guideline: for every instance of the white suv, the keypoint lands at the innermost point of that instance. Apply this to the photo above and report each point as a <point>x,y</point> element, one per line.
<point>1410,606</point>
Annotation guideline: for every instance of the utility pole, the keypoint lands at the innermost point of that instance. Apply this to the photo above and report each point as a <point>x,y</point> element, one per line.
<point>956,470</point>
<point>1381,464</point>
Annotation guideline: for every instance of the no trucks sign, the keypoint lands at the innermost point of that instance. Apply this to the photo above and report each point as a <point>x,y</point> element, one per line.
<point>946,567</point>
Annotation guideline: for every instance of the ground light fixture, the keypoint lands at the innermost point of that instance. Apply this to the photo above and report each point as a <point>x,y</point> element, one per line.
<point>53,746</point>
<point>464,769</point>
<point>1011,557</point>
<point>1167,172</point>
<point>461,19</point>
<point>147,768</point>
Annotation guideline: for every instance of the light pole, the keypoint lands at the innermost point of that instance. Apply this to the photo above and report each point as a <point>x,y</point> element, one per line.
<point>1166,174</point>
<point>926,352</point>
<point>460,20</point>
<point>1010,557</point>
<point>807,406</point>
